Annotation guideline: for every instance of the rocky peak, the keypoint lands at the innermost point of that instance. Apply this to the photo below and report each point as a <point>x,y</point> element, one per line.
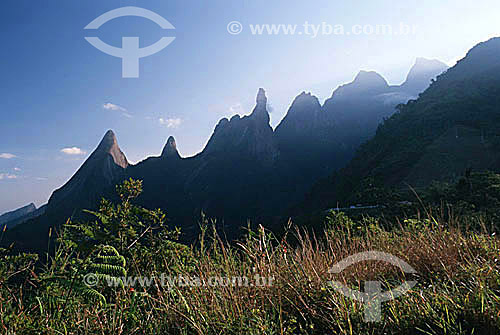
<point>369,79</point>
<point>305,102</point>
<point>109,145</point>
<point>303,112</point>
<point>421,74</point>
<point>96,175</point>
<point>366,82</point>
<point>107,142</point>
<point>170,149</point>
<point>246,136</point>
<point>425,63</point>
<point>260,111</point>
<point>303,120</point>
<point>261,97</point>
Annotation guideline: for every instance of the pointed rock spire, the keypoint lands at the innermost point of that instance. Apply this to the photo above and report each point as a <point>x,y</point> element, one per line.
<point>109,145</point>
<point>105,166</point>
<point>170,149</point>
<point>250,135</point>
<point>370,79</point>
<point>261,98</point>
<point>107,142</point>
<point>260,111</point>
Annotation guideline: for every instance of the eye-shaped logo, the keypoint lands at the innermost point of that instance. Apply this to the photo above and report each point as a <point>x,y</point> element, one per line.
<point>373,296</point>
<point>130,53</point>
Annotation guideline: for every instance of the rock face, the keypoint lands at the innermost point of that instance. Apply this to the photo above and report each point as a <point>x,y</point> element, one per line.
<point>308,144</point>
<point>226,180</point>
<point>17,213</point>
<point>108,148</point>
<point>170,149</point>
<point>94,178</point>
<point>235,169</point>
<point>251,135</point>
<point>304,116</point>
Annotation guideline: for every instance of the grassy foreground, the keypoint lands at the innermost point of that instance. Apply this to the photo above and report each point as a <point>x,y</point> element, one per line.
<point>458,289</point>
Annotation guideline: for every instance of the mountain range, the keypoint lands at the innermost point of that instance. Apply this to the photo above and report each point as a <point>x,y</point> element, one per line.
<point>247,170</point>
<point>453,127</point>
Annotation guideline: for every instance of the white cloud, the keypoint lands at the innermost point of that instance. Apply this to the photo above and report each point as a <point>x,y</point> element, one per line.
<point>170,123</point>
<point>7,156</point>
<point>73,151</point>
<point>17,169</point>
<point>112,107</point>
<point>7,176</point>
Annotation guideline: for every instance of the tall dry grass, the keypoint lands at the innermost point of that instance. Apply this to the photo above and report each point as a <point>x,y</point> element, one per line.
<point>458,290</point>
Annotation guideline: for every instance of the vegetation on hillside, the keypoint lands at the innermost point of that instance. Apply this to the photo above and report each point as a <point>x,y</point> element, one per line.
<point>85,287</point>
<point>451,127</point>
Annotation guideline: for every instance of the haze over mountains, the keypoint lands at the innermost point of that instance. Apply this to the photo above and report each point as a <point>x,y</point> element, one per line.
<point>453,127</point>
<point>247,170</point>
<point>328,136</point>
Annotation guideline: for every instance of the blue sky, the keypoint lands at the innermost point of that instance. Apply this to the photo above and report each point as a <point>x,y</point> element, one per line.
<point>58,92</point>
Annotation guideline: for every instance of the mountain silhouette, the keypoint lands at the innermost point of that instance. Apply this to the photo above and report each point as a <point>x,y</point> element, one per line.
<point>452,127</point>
<point>247,170</point>
<point>92,181</point>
